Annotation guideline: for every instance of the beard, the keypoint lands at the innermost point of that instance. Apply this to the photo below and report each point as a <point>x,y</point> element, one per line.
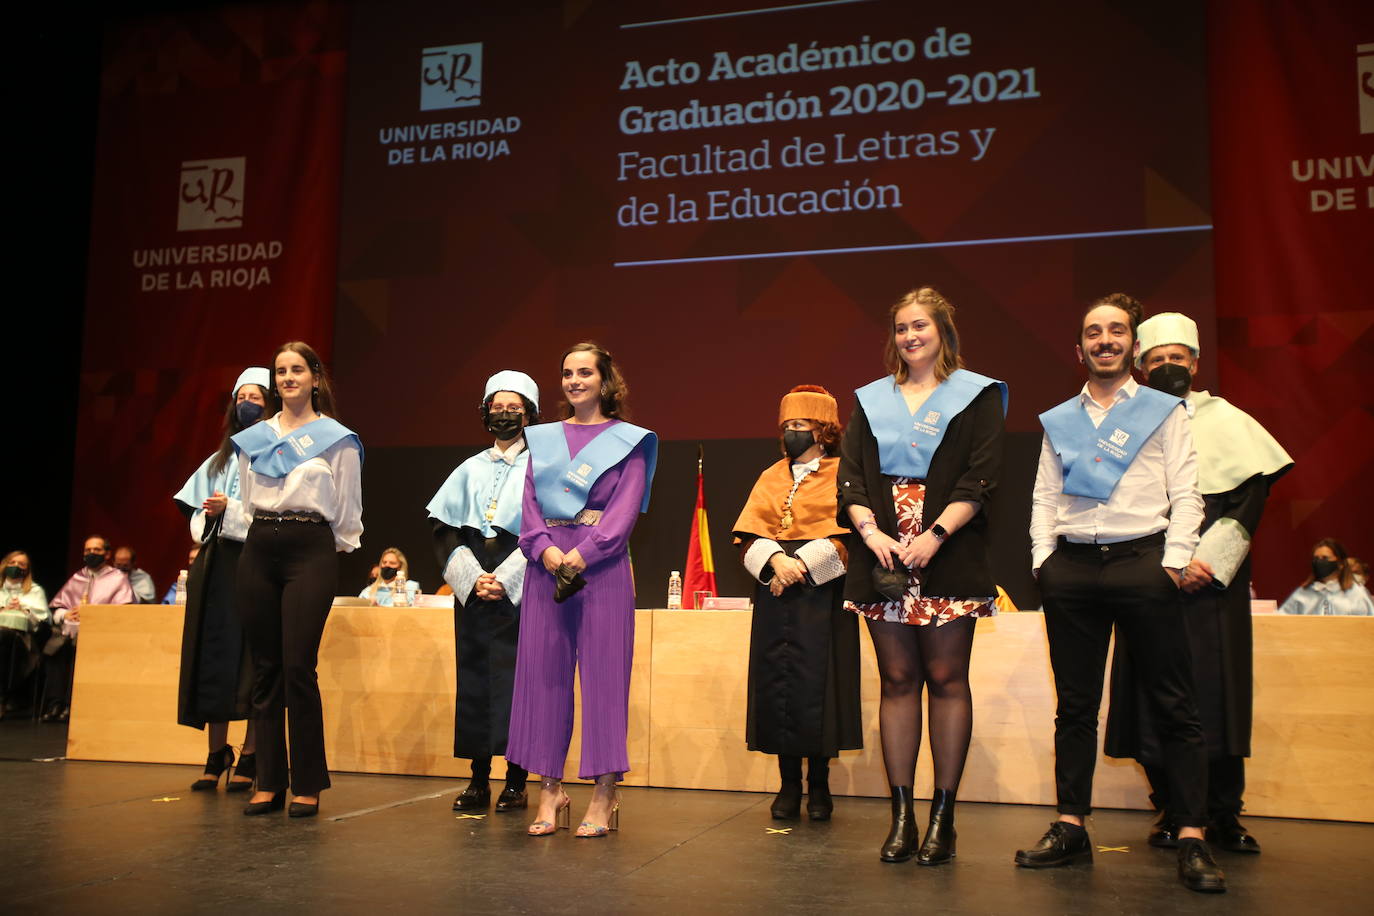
<point>1120,365</point>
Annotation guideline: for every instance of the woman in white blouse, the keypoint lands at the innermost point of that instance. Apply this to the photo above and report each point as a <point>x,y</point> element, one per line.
<point>1332,589</point>
<point>301,481</point>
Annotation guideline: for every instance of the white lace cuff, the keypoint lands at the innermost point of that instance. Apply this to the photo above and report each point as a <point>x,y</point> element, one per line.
<point>757,556</point>
<point>511,574</point>
<point>461,573</point>
<point>822,561</point>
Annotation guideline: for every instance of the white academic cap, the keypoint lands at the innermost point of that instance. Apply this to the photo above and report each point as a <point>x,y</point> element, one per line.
<point>1164,329</point>
<point>510,380</point>
<point>253,375</point>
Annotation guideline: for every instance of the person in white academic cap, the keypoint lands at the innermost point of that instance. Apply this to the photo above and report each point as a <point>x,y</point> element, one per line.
<point>476,518</point>
<point>216,672</point>
<point>1238,461</point>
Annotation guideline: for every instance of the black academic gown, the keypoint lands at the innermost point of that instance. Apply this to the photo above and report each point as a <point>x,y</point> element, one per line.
<point>485,635</point>
<point>216,678</point>
<point>1219,637</point>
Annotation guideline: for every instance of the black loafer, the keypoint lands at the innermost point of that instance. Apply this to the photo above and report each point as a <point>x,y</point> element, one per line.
<point>1062,844</point>
<point>472,798</point>
<point>301,809</point>
<point>1164,833</point>
<point>512,799</point>
<point>1197,869</point>
<point>1231,836</point>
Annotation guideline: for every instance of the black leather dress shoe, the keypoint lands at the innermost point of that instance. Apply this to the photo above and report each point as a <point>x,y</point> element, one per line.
<point>1164,833</point>
<point>472,798</point>
<point>1197,869</point>
<point>511,799</point>
<point>1062,844</point>
<point>1232,836</point>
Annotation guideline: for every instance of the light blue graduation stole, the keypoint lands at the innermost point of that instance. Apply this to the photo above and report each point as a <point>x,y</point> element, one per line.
<point>906,441</point>
<point>276,456</point>
<point>201,486</point>
<point>1095,458</point>
<point>483,494</point>
<point>563,482</point>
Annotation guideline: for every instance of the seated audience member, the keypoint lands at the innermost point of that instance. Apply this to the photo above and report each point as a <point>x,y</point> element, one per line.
<point>444,589</point>
<point>1360,569</point>
<point>97,582</point>
<point>23,610</point>
<point>142,583</point>
<point>390,570</point>
<point>1332,588</point>
<point>171,596</point>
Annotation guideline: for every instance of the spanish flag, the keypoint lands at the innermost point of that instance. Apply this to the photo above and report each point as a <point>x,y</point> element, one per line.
<point>700,573</point>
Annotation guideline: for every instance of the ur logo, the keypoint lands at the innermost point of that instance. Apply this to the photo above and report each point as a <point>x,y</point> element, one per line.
<point>1364,63</point>
<point>211,195</point>
<point>451,77</point>
<point>1119,436</point>
<point>584,470</point>
<point>932,417</point>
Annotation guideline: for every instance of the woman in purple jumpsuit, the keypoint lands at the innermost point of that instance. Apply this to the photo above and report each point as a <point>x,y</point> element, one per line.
<point>587,482</point>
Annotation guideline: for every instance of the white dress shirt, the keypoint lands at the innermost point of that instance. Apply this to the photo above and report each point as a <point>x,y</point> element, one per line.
<point>330,484</point>
<point>1158,492</point>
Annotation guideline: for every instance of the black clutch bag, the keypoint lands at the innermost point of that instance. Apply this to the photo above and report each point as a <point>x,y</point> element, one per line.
<point>891,583</point>
<point>567,583</point>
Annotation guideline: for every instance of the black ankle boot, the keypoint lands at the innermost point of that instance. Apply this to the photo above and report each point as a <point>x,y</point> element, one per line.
<point>901,839</point>
<point>819,804</point>
<point>787,804</point>
<point>938,846</point>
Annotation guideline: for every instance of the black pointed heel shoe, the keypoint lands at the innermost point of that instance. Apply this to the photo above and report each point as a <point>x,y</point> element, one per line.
<point>303,809</point>
<point>275,803</point>
<point>938,846</point>
<point>900,844</point>
<point>215,765</point>
<point>247,766</point>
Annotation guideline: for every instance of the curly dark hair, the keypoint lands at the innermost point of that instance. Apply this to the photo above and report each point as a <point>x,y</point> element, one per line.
<point>615,392</point>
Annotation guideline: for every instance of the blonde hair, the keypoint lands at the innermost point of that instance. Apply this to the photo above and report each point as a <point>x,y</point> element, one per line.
<point>379,582</point>
<point>28,573</point>
<point>941,312</point>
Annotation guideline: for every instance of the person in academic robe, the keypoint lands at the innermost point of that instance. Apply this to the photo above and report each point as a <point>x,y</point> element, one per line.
<point>586,484</point>
<point>1238,461</point>
<point>476,517</point>
<point>300,480</point>
<point>97,582</point>
<point>1334,588</point>
<point>919,462</point>
<point>803,698</point>
<point>391,586</point>
<point>215,685</point>
<point>1114,522</point>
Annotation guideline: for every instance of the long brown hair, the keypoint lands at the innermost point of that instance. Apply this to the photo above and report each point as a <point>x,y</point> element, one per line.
<point>1346,569</point>
<point>322,397</point>
<point>941,312</point>
<point>615,392</point>
<point>232,426</point>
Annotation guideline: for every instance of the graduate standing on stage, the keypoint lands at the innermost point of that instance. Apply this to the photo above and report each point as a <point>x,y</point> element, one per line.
<point>918,465</point>
<point>1114,521</point>
<point>476,517</point>
<point>587,483</point>
<point>1238,461</point>
<point>803,647</point>
<point>216,668</point>
<point>301,481</point>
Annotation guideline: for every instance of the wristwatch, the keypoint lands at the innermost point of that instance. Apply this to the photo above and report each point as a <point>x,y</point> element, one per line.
<point>939,531</point>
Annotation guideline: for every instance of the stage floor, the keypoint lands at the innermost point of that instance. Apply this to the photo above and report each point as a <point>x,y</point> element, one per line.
<point>119,838</point>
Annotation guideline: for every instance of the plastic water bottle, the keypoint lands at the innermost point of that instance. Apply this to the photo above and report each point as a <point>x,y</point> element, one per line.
<point>400,595</point>
<point>675,591</point>
<point>181,587</point>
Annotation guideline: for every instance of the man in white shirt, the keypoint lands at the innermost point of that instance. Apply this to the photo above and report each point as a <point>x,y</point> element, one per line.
<point>1114,521</point>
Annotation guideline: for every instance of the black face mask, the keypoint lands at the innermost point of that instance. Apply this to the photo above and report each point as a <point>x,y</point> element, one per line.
<point>93,560</point>
<point>1170,378</point>
<point>1322,567</point>
<point>14,572</point>
<point>389,572</point>
<point>248,413</point>
<point>795,442</point>
<point>504,426</point>
<point>125,569</point>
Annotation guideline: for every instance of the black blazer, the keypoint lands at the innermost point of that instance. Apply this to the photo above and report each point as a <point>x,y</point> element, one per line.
<point>964,468</point>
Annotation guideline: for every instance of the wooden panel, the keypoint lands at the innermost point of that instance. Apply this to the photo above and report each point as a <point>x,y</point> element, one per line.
<point>388,682</point>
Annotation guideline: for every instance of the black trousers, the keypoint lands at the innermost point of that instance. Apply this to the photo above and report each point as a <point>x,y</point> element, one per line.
<point>286,580</point>
<point>1086,589</point>
<point>1225,787</point>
